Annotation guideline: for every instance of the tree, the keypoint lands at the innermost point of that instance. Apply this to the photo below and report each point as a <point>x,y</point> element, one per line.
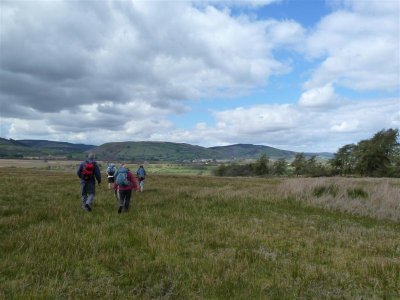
<point>378,156</point>
<point>343,161</point>
<point>261,165</point>
<point>280,167</point>
<point>299,164</point>
<point>375,157</point>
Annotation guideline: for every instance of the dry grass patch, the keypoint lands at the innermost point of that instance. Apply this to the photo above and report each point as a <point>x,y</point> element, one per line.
<point>374,197</point>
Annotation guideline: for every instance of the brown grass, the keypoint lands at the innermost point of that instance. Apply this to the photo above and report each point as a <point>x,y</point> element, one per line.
<point>382,200</point>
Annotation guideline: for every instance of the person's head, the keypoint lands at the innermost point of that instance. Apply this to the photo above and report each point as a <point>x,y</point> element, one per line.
<point>91,156</point>
<point>141,166</point>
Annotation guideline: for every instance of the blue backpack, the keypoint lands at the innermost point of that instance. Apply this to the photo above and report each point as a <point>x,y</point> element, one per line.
<point>122,177</point>
<point>111,170</point>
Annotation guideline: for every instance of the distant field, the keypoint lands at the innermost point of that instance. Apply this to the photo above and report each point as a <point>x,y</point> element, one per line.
<point>200,237</point>
<point>67,165</point>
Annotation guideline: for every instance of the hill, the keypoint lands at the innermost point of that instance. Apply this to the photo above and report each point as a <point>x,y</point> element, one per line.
<point>60,146</point>
<point>41,149</point>
<point>153,151</point>
<point>141,151</point>
<point>180,152</point>
<point>250,151</point>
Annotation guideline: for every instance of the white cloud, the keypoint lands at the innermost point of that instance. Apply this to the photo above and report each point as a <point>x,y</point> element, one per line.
<point>159,52</point>
<point>360,47</point>
<point>318,97</point>
<point>100,71</point>
<point>244,3</point>
<point>257,119</point>
<point>295,127</point>
<point>345,126</point>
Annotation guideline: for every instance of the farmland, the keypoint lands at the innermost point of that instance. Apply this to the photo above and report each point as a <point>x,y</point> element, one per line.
<point>199,237</point>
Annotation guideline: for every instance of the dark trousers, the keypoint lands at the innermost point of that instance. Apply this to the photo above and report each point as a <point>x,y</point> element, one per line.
<point>125,198</point>
<point>88,191</point>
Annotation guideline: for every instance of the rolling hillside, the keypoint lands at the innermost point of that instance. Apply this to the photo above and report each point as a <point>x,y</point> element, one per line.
<point>179,152</point>
<point>141,151</point>
<point>252,151</point>
<point>153,151</point>
<point>41,149</point>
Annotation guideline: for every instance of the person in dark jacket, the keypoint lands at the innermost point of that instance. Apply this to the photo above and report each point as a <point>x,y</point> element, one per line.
<point>141,175</point>
<point>88,172</point>
<point>124,183</point>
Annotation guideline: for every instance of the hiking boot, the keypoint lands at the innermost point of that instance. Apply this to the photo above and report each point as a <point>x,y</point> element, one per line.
<point>120,209</point>
<point>88,208</point>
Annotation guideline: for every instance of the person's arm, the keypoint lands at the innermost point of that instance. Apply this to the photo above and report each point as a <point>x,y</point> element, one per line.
<point>132,179</point>
<point>97,173</point>
<point>79,171</point>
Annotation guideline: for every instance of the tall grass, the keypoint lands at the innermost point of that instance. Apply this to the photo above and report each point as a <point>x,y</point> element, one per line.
<point>375,197</point>
<point>191,238</point>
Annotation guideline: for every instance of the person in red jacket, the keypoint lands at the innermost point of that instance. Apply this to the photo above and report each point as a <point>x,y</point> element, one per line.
<point>124,183</point>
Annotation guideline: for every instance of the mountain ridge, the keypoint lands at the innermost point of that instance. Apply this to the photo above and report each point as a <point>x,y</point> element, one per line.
<point>153,151</point>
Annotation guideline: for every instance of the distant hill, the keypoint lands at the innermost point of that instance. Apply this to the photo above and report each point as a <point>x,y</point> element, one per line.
<point>179,152</point>
<point>141,151</point>
<point>61,146</point>
<point>252,151</point>
<point>153,151</point>
<point>41,149</point>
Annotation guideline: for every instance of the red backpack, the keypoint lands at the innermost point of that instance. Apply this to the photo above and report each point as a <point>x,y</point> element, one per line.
<point>88,170</point>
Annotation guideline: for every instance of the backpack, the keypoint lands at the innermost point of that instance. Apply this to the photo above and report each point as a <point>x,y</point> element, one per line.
<point>88,170</point>
<point>122,177</point>
<point>111,170</point>
<point>140,173</point>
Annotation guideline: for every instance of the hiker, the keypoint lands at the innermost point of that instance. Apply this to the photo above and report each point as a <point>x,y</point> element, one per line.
<point>110,175</point>
<point>141,174</point>
<point>88,172</point>
<point>124,183</point>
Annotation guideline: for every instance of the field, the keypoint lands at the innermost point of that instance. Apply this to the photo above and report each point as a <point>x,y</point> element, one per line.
<point>71,166</point>
<point>199,237</point>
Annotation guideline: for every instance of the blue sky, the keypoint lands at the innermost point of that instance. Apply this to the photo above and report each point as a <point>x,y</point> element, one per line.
<point>299,75</point>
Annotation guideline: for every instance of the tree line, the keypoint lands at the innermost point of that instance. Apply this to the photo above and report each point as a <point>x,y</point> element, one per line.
<point>378,156</point>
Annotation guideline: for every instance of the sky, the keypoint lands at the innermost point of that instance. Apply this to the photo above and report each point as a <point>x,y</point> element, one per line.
<point>300,75</point>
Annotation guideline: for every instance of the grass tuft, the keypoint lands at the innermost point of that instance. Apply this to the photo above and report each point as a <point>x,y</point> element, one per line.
<point>331,190</point>
<point>357,193</point>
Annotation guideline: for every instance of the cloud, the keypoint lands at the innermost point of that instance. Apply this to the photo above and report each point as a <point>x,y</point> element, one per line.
<point>64,54</point>
<point>319,97</point>
<point>100,71</point>
<point>359,44</point>
<point>296,127</point>
<point>240,3</point>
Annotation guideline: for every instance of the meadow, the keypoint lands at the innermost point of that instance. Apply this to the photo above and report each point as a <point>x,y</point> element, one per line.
<point>199,237</point>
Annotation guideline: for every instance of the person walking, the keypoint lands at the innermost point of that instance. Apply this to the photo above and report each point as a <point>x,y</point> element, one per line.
<point>141,175</point>
<point>110,175</point>
<point>124,183</point>
<point>88,172</point>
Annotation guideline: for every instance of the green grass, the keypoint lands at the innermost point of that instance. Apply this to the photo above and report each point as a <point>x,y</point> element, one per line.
<point>326,190</point>
<point>357,193</point>
<point>187,237</point>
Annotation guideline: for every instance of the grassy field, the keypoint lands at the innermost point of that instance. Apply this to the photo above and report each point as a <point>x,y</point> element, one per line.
<point>199,237</point>
<point>68,165</point>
